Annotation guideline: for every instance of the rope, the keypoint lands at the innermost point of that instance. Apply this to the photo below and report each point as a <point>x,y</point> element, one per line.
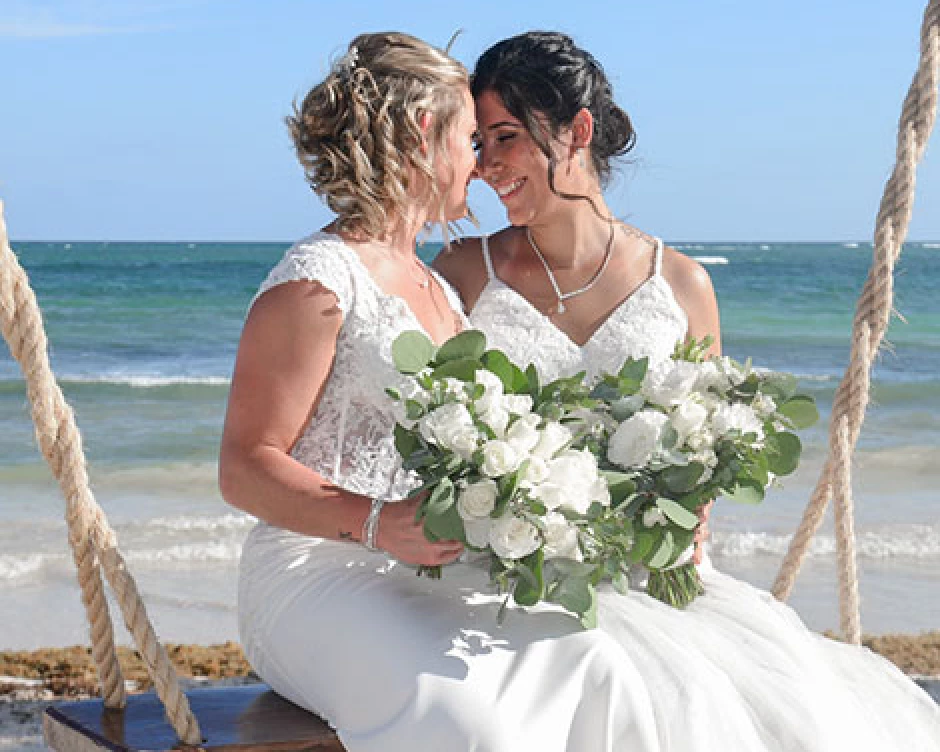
<point>872,315</point>
<point>92,540</point>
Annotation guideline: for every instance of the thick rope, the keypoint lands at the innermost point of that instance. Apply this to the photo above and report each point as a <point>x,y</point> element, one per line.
<point>90,535</point>
<point>874,308</point>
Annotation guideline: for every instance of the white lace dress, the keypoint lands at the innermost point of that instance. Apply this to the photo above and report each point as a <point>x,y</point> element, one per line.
<point>399,663</point>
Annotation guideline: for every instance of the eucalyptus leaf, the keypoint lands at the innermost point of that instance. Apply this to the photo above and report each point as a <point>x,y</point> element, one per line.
<point>682,478</point>
<point>747,492</point>
<point>800,410</point>
<point>634,370</point>
<point>470,343</point>
<point>459,368</point>
<point>497,362</point>
<point>412,351</point>
<point>677,513</point>
<point>405,441</point>
<point>783,453</point>
<point>530,587</point>
<point>663,553</point>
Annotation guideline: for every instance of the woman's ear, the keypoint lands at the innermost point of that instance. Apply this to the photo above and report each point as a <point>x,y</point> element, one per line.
<point>582,129</point>
<point>424,123</point>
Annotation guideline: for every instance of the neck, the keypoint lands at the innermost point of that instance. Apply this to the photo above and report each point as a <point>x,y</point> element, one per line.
<point>572,239</point>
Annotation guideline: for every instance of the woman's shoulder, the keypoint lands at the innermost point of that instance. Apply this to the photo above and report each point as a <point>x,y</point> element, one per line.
<point>686,276</point>
<point>463,265</point>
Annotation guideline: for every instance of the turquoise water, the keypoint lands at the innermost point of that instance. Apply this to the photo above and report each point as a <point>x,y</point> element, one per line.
<point>143,338</point>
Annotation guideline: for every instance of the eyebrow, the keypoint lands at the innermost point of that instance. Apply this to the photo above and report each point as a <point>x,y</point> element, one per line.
<point>503,124</point>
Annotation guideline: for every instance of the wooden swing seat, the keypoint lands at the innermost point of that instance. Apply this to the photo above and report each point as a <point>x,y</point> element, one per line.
<point>248,718</point>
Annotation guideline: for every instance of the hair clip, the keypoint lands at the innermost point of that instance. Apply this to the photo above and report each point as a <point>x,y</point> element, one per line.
<point>345,66</point>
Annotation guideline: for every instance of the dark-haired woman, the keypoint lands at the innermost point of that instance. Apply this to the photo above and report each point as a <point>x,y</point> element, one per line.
<point>569,288</point>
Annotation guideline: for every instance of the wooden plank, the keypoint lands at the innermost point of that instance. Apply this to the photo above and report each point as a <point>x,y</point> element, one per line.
<point>248,718</point>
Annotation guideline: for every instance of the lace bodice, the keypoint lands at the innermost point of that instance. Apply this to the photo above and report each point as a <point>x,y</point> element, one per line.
<point>648,323</point>
<point>349,438</point>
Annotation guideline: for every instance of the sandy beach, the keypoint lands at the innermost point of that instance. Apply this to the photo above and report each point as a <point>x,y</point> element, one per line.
<point>32,679</point>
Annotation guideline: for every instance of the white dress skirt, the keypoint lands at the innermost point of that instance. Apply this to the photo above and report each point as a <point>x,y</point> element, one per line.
<point>401,663</point>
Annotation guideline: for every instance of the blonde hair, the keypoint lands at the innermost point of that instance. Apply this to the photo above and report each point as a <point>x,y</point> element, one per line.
<point>358,133</point>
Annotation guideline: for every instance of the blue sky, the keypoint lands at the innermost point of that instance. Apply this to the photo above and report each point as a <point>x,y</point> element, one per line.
<point>151,120</point>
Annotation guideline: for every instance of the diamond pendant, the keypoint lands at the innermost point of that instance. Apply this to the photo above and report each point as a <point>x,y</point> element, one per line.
<point>561,306</point>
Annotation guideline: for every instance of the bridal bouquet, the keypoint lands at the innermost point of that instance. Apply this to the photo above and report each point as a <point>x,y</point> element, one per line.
<point>500,457</point>
<point>681,433</point>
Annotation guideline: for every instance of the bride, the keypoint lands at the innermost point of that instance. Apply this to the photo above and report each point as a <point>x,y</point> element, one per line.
<point>568,288</point>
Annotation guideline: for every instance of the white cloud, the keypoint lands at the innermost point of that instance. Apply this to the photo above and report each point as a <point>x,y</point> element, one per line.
<point>51,19</point>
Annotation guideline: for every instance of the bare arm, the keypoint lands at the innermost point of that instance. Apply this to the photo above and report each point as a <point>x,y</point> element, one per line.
<point>694,292</point>
<point>284,359</point>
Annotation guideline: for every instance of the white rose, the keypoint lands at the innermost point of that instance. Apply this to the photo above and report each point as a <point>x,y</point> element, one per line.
<point>477,500</point>
<point>463,441</point>
<point>454,388</point>
<point>764,405</point>
<point>536,471</point>
<point>670,382</point>
<point>572,482</point>
<point>736,417</point>
<point>512,537</point>
<point>710,376</point>
<point>554,437</point>
<point>517,404</point>
<point>561,538</point>
<point>653,516</point>
<point>735,373</point>
<point>499,458</point>
<point>523,434</point>
<point>592,422</point>
<point>410,389</point>
<point>688,418</point>
<point>636,439</point>
<point>496,418</point>
<point>477,531</point>
<point>492,389</point>
<point>440,425</point>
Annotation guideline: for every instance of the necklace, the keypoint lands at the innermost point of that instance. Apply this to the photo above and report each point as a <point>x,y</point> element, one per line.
<point>425,275</point>
<point>563,296</point>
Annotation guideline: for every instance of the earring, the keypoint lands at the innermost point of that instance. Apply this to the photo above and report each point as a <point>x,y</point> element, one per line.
<point>581,159</point>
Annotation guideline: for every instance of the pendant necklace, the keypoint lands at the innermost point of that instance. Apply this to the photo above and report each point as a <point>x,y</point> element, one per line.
<point>425,280</point>
<point>563,296</point>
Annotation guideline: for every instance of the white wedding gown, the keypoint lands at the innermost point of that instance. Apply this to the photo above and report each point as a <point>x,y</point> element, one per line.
<point>399,663</point>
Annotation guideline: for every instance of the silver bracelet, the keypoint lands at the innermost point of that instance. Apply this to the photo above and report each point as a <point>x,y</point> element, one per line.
<point>370,528</point>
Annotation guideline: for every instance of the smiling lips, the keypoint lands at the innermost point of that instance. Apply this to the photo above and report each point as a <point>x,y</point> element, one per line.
<point>509,189</point>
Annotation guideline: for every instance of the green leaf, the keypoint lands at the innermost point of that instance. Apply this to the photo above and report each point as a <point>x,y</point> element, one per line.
<point>459,368</point>
<point>530,587</point>
<point>643,545</point>
<point>663,553</point>
<point>412,351</point>
<point>470,343</point>
<point>747,492</point>
<point>532,377</point>
<point>634,370</point>
<point>620,485</point>
<point>497,362</point>
<point>413,409</point>
<point>441,519</point>
<point>682,478</point>
<point>677,513</point>
<point>801,411</point>
<point>393,393</point>
<point>575,594</point>
<point>783,453</point>
<point>405,441</point>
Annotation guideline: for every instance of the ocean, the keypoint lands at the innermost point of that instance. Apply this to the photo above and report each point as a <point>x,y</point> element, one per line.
<point>143,339</point>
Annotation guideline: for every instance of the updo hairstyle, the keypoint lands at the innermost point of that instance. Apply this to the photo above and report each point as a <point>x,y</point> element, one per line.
<point>544,79</point>
<point>358,133</point>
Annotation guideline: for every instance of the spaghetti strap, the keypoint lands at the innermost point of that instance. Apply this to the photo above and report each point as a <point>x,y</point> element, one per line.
<point>658,257</point>
<point>485,247</point>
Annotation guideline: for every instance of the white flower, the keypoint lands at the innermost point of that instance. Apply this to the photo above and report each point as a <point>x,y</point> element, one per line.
<point>496,418</point>
<point>477,531</point>
<point>463,441</point>
<point>561,538</point>
<point>499,458</point>
<point>670,382</point>
<point>764,405</point>
<point>410,389</point>
<point>554,437</point>
<point>523,434</point>
<point>654,516</point>
<point>594,422</point>
<point>636,439</point>
<point>512,537</point>
<point>700,440</point>
<point>454,388</point>
<point>572,482</point>
<point>736,417</point>
<point>477,500</point>
<point>442,425</point>
<point>735,373</point>
<point>688,417</point>
<point>492,389</point>
<point>536,471</point>
<point>712,377</point>
<point>517,404</point>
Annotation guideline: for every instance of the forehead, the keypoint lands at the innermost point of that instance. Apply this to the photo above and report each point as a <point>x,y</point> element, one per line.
<point>491,112</point>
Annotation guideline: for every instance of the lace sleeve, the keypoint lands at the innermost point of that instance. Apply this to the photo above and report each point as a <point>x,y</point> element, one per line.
<point>317,259</point>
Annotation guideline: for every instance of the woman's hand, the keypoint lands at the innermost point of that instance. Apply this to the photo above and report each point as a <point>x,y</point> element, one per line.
<point>701,532</point>
<point>403,538</point>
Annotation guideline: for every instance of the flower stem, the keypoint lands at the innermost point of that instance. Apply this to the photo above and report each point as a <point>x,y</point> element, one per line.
<point>677,587</point>
<point>432,572</point>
